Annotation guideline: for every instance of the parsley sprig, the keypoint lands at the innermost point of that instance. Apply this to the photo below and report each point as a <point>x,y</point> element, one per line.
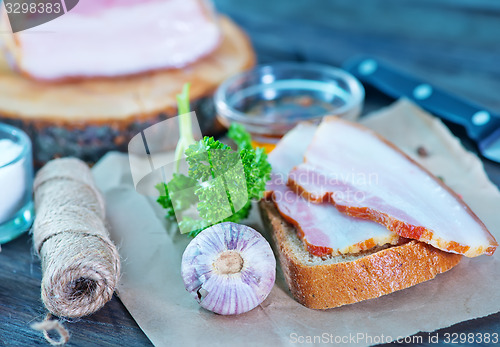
<point>220,182</point>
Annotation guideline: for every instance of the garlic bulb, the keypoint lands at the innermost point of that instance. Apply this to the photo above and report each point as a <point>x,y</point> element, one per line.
<point>229,268</point>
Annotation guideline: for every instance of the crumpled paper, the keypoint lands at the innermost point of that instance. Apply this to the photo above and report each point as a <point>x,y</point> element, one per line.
<point>153,291</point>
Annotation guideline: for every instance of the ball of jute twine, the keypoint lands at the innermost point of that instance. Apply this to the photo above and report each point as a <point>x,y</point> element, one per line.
<point>80,264</point>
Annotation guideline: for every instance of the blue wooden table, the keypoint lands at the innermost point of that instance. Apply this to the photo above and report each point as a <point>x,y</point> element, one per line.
<point>453,44</point>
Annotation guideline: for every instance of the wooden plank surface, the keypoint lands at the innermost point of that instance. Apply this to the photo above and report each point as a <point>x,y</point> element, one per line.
<point>453,44</point>
<point>21,305</point>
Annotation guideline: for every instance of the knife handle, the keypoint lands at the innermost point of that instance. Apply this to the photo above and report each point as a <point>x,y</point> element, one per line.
<point>478,122</point>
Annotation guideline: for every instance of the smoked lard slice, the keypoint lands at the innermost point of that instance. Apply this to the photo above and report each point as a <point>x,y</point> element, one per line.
<point>366,176</point>
<point>107,38</point>
<point>322,229</point>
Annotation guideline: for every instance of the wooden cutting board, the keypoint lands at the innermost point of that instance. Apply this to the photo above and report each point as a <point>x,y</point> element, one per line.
<point>89,117</point>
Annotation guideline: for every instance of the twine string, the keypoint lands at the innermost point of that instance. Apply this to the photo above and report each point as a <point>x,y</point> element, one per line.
<point>48,325</point>
<point>80,264</point>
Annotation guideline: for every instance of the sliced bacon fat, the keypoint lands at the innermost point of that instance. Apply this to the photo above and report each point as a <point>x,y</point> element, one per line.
<point>323,229</point>
<point>326,231</point>
<point>115,37</point>
<point>290,150</point>
<point>367,177</point>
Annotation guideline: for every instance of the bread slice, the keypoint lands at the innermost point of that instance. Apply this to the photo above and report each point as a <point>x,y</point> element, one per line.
<point>323,283</point>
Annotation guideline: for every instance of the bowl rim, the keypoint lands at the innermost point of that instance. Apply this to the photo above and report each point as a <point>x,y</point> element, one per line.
<point>25,142</point>
<point>227,112</point>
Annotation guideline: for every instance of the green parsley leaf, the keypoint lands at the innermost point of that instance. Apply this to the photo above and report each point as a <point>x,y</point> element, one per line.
<point>240,136</point>
<point>177,195</point>
<point>220,182</point>
<point>164,200</point>
<point>192,226</point>
<point>257,171</point>
<point>240,214</point>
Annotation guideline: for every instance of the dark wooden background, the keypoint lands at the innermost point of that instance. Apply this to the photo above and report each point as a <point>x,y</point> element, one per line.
<point>453,44</point>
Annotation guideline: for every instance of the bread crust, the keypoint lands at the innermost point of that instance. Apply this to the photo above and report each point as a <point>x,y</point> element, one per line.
<point>369,275</point>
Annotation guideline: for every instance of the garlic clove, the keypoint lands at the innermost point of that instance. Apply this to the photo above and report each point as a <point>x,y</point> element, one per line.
<point>229,268</point>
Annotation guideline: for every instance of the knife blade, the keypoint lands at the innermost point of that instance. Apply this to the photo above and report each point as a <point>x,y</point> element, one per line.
<point>482,126</point>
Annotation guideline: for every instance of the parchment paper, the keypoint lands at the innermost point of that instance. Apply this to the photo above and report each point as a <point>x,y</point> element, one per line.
<point>152,289</point>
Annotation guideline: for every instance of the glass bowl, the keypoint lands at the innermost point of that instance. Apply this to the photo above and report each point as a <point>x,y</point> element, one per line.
<point>269,100</point>
<point>16,182</point>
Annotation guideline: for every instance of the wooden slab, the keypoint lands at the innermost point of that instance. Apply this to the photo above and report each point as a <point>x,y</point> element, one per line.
<point>86,118</point>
